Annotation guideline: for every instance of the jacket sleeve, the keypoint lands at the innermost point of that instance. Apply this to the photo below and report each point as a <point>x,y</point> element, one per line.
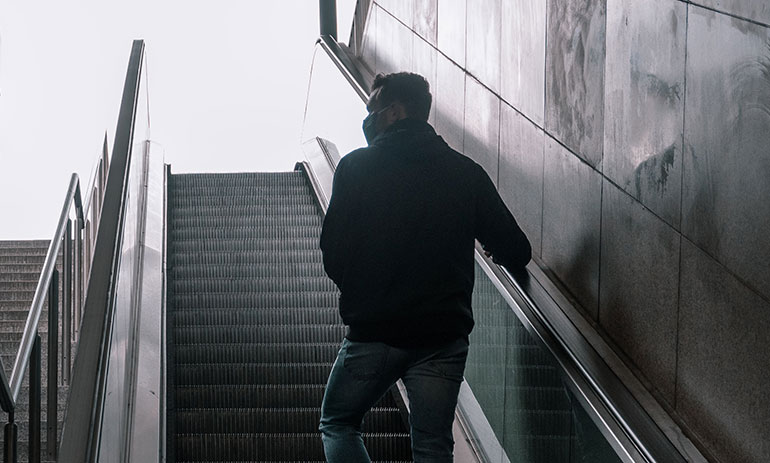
<point>497,230</point>
<point>334,234</point>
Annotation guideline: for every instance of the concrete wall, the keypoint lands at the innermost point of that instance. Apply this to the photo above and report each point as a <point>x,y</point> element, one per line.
<point>631,140</point>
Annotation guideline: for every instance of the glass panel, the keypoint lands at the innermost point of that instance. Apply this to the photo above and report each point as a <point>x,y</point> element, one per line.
<point>519,388</point>
<point>121,364</point>
<point>334,111</point>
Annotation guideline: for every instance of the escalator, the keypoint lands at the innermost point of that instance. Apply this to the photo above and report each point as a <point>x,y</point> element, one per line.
<point>210,328</point>
<point>253,324</point>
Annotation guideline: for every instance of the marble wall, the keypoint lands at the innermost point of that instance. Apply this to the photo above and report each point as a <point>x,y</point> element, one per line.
<point>632,142</point>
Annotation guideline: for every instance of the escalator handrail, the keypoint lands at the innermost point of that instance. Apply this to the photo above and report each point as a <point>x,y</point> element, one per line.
<point>82,416</point>
<point>642,431</point>
<point>541,314</point>
<point>9,390</point>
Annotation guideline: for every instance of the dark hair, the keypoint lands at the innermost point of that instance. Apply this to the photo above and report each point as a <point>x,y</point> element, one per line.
<point>409,89</point>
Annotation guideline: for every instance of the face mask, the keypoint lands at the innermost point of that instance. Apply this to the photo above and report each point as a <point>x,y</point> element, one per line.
<point>370,125</point>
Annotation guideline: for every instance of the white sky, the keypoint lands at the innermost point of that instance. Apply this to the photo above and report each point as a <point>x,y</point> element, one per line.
<point>227,84</point>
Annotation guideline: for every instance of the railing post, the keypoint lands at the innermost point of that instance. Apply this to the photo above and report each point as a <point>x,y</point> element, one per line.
<point>78,277</point>
<point>86,266</point>
<point>35,380</point>
<point>53,380</point>
<point>67,305</point>
<point>11,434</point>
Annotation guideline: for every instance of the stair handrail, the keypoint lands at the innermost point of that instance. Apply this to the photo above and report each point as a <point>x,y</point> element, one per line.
<point>33,318</point>
<point>30,344</point>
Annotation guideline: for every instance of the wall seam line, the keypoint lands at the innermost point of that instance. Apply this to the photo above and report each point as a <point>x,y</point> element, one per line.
<point>681,200</point>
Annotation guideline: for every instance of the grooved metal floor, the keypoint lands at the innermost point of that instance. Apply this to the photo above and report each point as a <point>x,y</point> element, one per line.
<point>253,328</point>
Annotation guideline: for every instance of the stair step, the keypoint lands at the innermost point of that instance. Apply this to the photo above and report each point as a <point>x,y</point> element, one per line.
<point>16,244</point>
<point>22,259</point>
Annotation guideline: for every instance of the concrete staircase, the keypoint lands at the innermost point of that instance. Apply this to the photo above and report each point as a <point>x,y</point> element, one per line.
<point>21,263</point>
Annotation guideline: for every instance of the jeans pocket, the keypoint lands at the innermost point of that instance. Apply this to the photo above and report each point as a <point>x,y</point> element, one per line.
<point>365,360</point>
<point>450,363</point>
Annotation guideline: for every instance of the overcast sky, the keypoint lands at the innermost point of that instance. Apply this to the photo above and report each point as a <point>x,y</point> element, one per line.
<point>227,84</point>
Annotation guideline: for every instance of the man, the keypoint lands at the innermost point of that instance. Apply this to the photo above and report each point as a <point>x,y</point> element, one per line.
<point>398,240</point>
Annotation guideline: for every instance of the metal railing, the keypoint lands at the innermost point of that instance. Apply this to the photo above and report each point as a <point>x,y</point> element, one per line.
<point>73,239</point>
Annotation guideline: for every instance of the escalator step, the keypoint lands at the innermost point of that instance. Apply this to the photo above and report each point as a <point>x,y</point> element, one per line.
<point>271,420</point>
<point>251,316</point>
<point>250,209</point>
<point>202,221</point>
<point>184,200</point>
<point>201,233</point>
<point>255,353</point>
<point>255,396</point>
<point>286,334</point>
<point>283,270</point>
<point>253,324</point>
<point>243,246</point>
<point>295,446</point>
<point>251,373</point>
<point>244,285</point>
<point>271,299</point>
<point>233,257</point>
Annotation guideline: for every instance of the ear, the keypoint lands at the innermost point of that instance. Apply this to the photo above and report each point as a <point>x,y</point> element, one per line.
<point>397,111</point>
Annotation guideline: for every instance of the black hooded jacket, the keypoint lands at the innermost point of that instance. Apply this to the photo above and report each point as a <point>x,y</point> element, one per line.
<point>398,237</point>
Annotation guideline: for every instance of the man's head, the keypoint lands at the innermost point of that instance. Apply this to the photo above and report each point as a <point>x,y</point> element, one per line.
<point>394,97</point>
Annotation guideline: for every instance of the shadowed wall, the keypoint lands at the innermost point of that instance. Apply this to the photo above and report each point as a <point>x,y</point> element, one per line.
<point>630,140</point>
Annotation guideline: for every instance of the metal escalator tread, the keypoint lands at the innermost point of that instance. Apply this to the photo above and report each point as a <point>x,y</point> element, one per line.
<point>253,327</point>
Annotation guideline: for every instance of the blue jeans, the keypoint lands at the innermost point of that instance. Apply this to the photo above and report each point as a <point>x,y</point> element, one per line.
<point>363,373</point>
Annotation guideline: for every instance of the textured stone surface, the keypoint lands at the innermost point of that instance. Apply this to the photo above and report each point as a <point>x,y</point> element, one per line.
<point>449,101</point>
<point>424,63</point>
<point>571,218</point>
<point>725,207</point>
<point>426,19</point>
<point>639,284</point>
<point>644,101</point>
<point>574,99</point>
<point>521,172</point>
<point>522,81</point>
<point>756,10</point>
<point>482,126</point>
<point>394,44</point>
<point>451,29</point>
<point>722,380</point>
<point>483,41</point>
